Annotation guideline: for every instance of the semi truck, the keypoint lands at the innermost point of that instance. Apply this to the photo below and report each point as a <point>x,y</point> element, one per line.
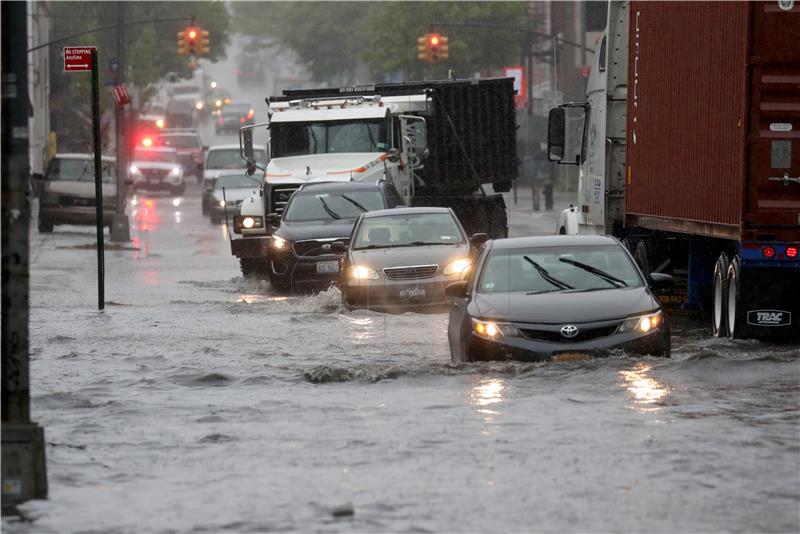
<point>440,143</point>
<point>689,151</point>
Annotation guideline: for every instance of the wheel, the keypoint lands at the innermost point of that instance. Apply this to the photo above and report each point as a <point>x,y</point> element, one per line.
<point>205,206</point>
<point>735,317</point>
<point>179,190</point>
<point>45,226</point>
<point>718,304</point>
<point>642,257</point>
<point>279,283</point>
<point>252,268</point>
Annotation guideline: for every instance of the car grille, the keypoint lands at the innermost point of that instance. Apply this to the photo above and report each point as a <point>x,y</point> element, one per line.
<point>411,272</point>
<point>313,247</point>
<point>154,174</point>
<point>77,201</point>
<point>279,196</point>
<point>551,336</point>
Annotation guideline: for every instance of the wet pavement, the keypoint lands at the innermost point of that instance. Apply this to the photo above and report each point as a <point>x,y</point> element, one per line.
<point>202,402</point>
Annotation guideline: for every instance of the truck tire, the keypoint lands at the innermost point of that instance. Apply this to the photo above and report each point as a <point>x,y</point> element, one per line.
<point>642,257</point>
<point>719,327</point>
<point>253,268</point>
<point>45,226</point>
<point>280,284</point>
<point>733,297</point>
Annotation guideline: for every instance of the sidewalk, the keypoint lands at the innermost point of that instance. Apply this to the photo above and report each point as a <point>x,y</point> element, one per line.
<point>523,221</point>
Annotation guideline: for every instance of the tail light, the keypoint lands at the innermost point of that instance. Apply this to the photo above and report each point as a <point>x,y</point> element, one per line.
<point>791,252</point>
<point>768,251</point>
<point>147,141</point>
<point>241,120</point>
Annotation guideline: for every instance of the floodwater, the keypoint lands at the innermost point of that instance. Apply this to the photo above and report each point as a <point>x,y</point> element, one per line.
<point>202,402</point>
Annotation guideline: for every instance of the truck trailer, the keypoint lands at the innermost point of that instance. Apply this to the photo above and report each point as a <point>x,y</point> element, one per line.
<point>439,142</point>
<point>689,151</point>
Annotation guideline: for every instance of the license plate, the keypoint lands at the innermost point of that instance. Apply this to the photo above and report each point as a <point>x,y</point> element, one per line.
<point>412,292</point>
<point>571,357</point>
<point>327,266</point>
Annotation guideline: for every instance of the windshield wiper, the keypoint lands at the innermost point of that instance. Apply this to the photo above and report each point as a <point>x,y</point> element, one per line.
<point>373,246</point>
<point>613,280</point>
<point>328,209</point>
<point>547,276</point>
<point>354,203</point>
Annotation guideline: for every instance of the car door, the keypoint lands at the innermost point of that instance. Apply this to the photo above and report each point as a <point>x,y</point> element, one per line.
<point>459,325</point>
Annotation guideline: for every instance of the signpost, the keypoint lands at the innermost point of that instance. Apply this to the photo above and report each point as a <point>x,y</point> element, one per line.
<point>84,59</point>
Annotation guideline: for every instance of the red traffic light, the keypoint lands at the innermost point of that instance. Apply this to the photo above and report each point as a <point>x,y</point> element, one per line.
<point>434,40</point>
<point>192,34</point>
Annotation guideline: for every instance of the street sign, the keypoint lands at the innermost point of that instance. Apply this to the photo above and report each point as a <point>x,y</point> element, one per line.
<point>520,85</point>
<point>78,58</point>
<point>121,96</point>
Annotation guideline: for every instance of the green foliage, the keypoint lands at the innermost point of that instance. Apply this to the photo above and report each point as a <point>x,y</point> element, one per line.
<point>333,37</point>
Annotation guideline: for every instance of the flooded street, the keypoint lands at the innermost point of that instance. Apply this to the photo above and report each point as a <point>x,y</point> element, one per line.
<point>202,402</point>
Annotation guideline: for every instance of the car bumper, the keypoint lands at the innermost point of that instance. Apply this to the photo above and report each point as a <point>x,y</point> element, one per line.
<point>158,185</point>
<point>75,215</point>
<point>385,293</point>
<point>219,212</point>
<point>656,343</point>
<point>304,271</point>
<point>251,247</point>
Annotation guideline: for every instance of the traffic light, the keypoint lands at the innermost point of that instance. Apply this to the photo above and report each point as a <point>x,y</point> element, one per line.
<point>183,46</point>
<point>192,36</point>
<point>433,47</point>
<point>194,41</point>
<point>203,43</point>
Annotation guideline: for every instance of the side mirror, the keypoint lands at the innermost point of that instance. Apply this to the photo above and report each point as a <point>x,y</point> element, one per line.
<point>477,240</point>
<point>457,290</point>
<point>274,219</point>
<point>246,149</point>
<point>338,246</point>
<point>660,280</point>
<point>555,134</point>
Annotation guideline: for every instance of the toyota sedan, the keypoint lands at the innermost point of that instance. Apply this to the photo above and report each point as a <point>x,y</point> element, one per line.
<point>557,297</point>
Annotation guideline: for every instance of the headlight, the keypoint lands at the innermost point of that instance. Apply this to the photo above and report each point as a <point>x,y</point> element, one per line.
<point>642,323</point>
<point>218,103</point>
<point>176,171</point>
<point>199,105</point>
<point>459,266</point>
<point>278,242</point>
<point>493,330</point>
<point>247,222</point>
<point>360,272</point>
<point>221,203</point>
<point>134,169</point>
<point>160,123</point>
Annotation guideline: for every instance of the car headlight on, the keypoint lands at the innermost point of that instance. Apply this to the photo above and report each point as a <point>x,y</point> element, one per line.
<point>460,266</point>
<point>360,272</point>
<point>246,222</point>
<point>160,123</point>
<point>493,329</point>
<point>176,171</point>
<point>199,105</point>
<point>642,324</point>
<point>134,169</point>
<point>221,203</point>
<point>279,243</point>
<point>218,103</point>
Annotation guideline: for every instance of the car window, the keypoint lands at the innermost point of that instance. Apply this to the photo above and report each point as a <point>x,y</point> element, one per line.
<point>514,270</point>
<point>180,141</point>
<point>229,158</point>
<point>404,230</point>
<point>314,206</point>
<point>234,181</point>
<point>156,156</point>
<point>80,170</point>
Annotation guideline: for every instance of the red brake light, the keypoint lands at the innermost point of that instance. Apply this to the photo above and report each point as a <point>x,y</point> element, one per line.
<point>791,252</point>
<point>768,251</point>
<point>241,120</point>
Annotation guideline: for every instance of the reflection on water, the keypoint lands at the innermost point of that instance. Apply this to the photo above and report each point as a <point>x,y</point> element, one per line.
<point>177,201</point>
<point>486,393</point>
<point>145,216</point>
<point>178,217</point>
<point>642,388</point>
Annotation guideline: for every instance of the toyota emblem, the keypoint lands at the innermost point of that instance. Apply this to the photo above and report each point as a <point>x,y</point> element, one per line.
<point>569,330</point>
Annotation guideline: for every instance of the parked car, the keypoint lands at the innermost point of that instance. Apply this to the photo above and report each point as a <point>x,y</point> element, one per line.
<point>555,297</point>
<point>189,146</point>
<point>157,169</point>
<point>67,191</point>
<point>234,116</point>
<point>230,189</point>
<point>403,258</point>
<point>220,158</point>
<point>317,215</point>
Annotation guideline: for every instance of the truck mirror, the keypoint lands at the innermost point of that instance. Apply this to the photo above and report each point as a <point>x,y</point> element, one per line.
<point>555,134</point>
<point>246,149</point>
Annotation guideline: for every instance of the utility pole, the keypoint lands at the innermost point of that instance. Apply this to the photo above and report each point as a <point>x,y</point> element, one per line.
<point>24,475</point>
<point>120,226</point>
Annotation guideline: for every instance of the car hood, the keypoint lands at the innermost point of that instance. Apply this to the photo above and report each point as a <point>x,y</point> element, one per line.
<point>234,194</point>
<point>209,174</point>
<point>565,307</point>
<point>155,165</point>
<point>78,189</point>
<point>298,231</point>
<point>379,258</point>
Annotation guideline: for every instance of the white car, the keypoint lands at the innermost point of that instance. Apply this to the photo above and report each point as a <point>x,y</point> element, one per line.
<point>157,169</point>
<point>222,158</point>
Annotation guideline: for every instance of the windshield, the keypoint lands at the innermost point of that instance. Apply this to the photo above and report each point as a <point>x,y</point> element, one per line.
<point>544,269</point>
<point>157,156</point>
<point>301,138</point>
<point>334,205</point>
<point>408,230</point>
<point>230,159</point>
<point>236,181</point>
<point>80,170</point>
<point>180,141</point>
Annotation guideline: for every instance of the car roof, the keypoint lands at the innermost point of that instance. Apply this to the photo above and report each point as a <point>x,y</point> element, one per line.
<point>77,155</point>
<point>340,186</point>
<point>553,241</point>
<point>404,211</point>
<point>228,147</point>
